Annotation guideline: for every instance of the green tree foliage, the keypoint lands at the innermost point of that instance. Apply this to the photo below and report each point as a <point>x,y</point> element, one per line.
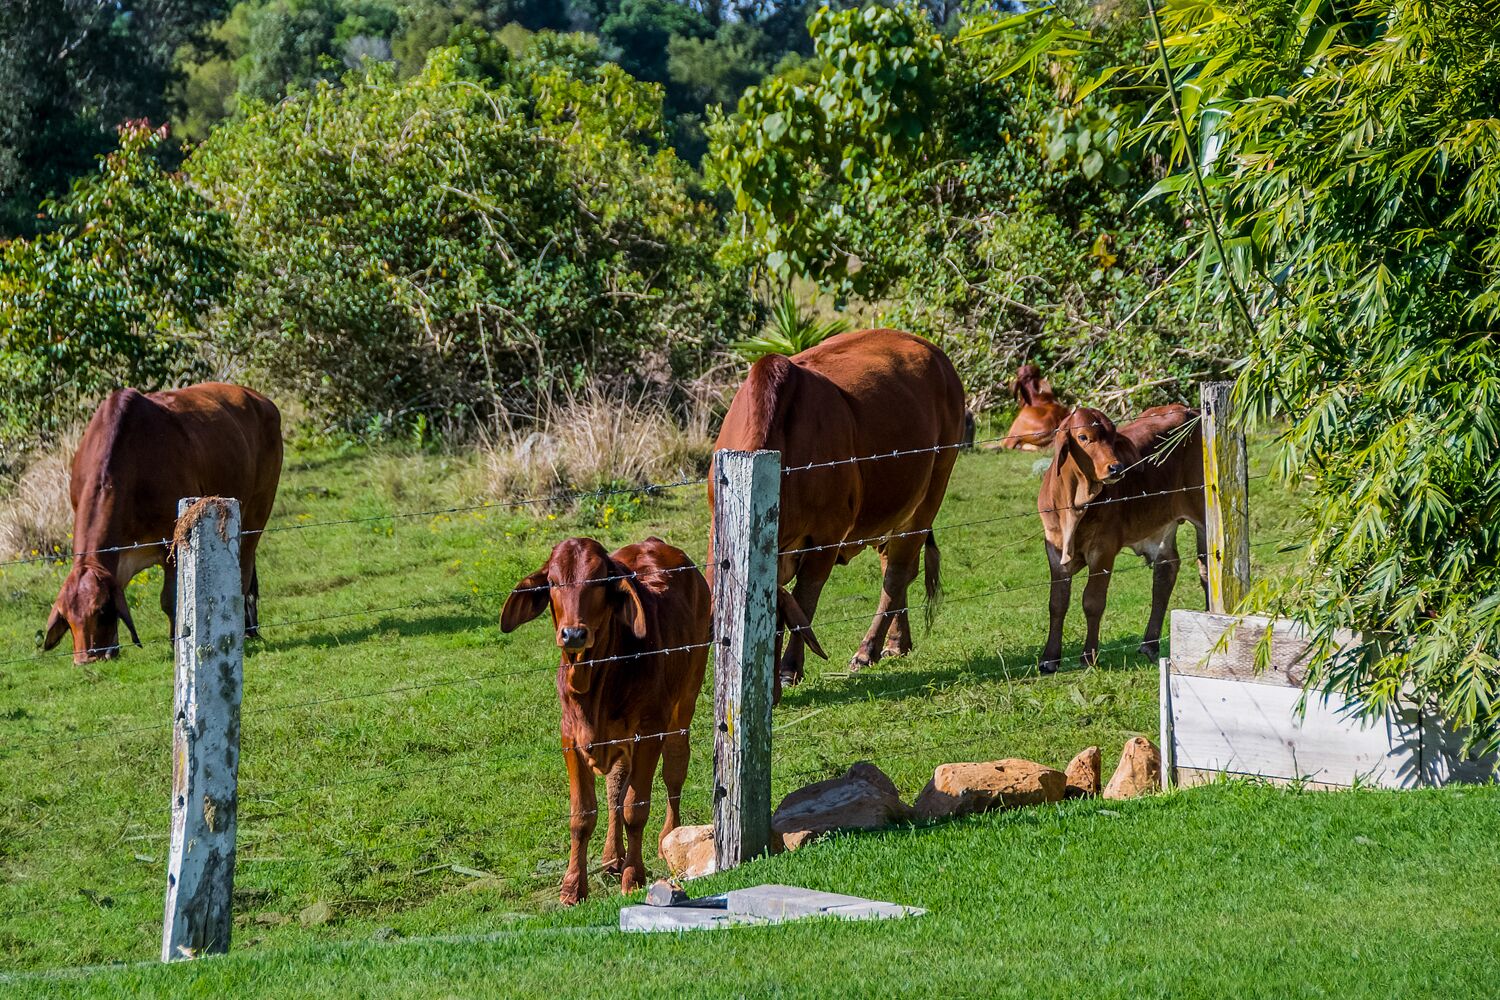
<point>791,328</point>
<point>1355,152</point>
<point>992,208</point>
<point>457,245</point>
<point>70,72</point>
<point>110,297</point>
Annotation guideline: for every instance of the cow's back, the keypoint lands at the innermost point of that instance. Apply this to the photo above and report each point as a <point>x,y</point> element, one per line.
<point>142,452</point>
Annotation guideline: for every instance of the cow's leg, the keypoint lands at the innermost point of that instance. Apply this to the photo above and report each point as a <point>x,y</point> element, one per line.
<point>616,778</point>
<point>583,810</point>
<point>1057,611</point>
<point>250,586</point>
<point>900,561</point>
<point>812,574</point>
<point>674,768</point>
<point>637,810</point>
<point>898,640</point>
<point>169,599</point>
<point>1201,535</point>
<point>1095,595</point>
<point>1164,563</point>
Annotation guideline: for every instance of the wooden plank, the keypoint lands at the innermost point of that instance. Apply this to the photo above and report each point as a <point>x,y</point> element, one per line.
<point>1226,473</point>
<point>1248,728</point>
<point>747,506</point>
<point>1196,649</point>
<point>1168,760</point>
<point>206,729</point>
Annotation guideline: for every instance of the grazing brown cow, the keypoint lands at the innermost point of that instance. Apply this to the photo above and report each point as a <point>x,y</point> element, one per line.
<point>140,454</point>
<point>1110,489</point>
<point>623,607</point>
<point>864,393</point>
<point>1041,413</point>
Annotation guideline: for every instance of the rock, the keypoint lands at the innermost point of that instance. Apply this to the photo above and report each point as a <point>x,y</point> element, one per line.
<point>1085,773</point>
<point>316,914</point>
<point>958,789</point>
<point>863,798</point>
<point>1139,771</point>
<point>796,838</point>
<point>270,919</point>
<point>664,892</point>
<point>689,851</point>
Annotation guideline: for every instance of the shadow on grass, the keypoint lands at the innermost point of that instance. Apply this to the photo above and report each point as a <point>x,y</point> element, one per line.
<point>277,640</point>
<point>891,679</point>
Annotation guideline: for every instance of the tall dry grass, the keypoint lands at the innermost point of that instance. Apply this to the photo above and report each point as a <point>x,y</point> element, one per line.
<point>35,517</point>
<point>594,439</point>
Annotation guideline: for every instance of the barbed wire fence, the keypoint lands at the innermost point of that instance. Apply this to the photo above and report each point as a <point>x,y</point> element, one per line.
<point>302,793</point>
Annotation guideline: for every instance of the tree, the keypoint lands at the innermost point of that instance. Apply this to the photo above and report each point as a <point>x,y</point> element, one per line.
<point>112,296</point>
<point>70,72</point>
<point>1354,154</point>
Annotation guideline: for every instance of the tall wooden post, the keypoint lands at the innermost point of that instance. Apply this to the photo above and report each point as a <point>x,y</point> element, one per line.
<point>747,507</point>
<point>1226,472</point>
<point>206,728</point>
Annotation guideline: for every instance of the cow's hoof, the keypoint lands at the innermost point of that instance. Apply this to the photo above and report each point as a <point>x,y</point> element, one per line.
<point>574,891</point>
<point>1047,667</point>
<point>895,649</point>
<point>790,678</point>
<point>1151,649</point>
<point>632,878</point>
<point>861,660</point>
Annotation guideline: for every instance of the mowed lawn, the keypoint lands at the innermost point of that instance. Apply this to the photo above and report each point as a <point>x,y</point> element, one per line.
<point>400,760</point>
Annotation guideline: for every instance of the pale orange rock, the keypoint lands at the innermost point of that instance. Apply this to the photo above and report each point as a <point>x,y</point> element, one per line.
<point>689,851</point>
<point>1085,774</point>
<point>863,798</point>
<point>958,789</point>
<point>1139,770</point>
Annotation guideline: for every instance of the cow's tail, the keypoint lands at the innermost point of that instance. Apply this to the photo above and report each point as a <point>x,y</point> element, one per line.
<point>932,566</point>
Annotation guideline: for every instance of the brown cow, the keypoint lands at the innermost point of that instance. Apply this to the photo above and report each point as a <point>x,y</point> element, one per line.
<point>140,454</point>
<point>623,607</point>
<point>1107,490</point>
<point>1036,424</point>
<point>864,393</point>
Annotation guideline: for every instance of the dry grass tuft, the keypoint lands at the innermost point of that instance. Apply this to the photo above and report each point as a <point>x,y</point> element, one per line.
<point>594,440</point>
<point>35,517</point>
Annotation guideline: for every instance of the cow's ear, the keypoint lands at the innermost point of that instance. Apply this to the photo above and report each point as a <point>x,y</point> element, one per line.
<point>57,627</point>
<point>632,611</point>
<point>527,600</point>
<point>790,614</point>
<point>123,610</point>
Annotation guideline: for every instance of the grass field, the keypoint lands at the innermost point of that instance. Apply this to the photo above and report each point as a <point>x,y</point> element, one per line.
<point>390,732</point>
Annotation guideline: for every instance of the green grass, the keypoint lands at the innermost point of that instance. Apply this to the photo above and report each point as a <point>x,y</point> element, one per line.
<point>1229,890</point>
<point>363,802</point>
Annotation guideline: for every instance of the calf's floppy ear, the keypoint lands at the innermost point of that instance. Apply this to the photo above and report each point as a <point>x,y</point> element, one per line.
<point>790,614</point>
<point>57,627</point>
<point>632,612</point>
<point>527,600</point>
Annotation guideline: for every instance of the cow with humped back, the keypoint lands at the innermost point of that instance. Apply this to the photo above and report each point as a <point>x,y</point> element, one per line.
<point>139,455</point>
<point>842,407</point>
<point>1109,489</point>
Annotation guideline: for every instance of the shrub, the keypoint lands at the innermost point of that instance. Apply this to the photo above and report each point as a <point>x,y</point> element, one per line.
<point>466,243</point>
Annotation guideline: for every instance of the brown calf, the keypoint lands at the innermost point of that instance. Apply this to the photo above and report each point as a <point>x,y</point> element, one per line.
<point>140,454</point>
<point>1037,422</point>
<point>865,393</point>
<point>614,614</point>
<point>1108,490</point>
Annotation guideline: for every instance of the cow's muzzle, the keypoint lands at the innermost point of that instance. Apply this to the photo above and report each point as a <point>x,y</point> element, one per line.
<point>574,640</point>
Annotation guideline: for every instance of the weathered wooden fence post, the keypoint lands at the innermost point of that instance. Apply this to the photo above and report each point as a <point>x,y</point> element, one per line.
<point>1226,472</point>
<point>747,505</point>
<point>206,728</point>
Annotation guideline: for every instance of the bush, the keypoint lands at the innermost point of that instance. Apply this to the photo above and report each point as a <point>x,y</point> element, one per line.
<point>111,298</point>
<point>463,244</point>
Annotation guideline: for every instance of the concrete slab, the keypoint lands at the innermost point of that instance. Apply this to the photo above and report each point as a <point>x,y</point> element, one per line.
<point>762,904</point>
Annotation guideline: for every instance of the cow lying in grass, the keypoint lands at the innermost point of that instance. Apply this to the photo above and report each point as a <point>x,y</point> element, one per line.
<point>1040,414</point>
<point>1108,490</point>
<point>621,619</point>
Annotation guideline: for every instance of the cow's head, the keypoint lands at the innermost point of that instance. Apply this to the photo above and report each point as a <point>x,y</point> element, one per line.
<point>1086,440</point>
<point>91,605</point>
<point>591,597</point>
<point>1028,384</point>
